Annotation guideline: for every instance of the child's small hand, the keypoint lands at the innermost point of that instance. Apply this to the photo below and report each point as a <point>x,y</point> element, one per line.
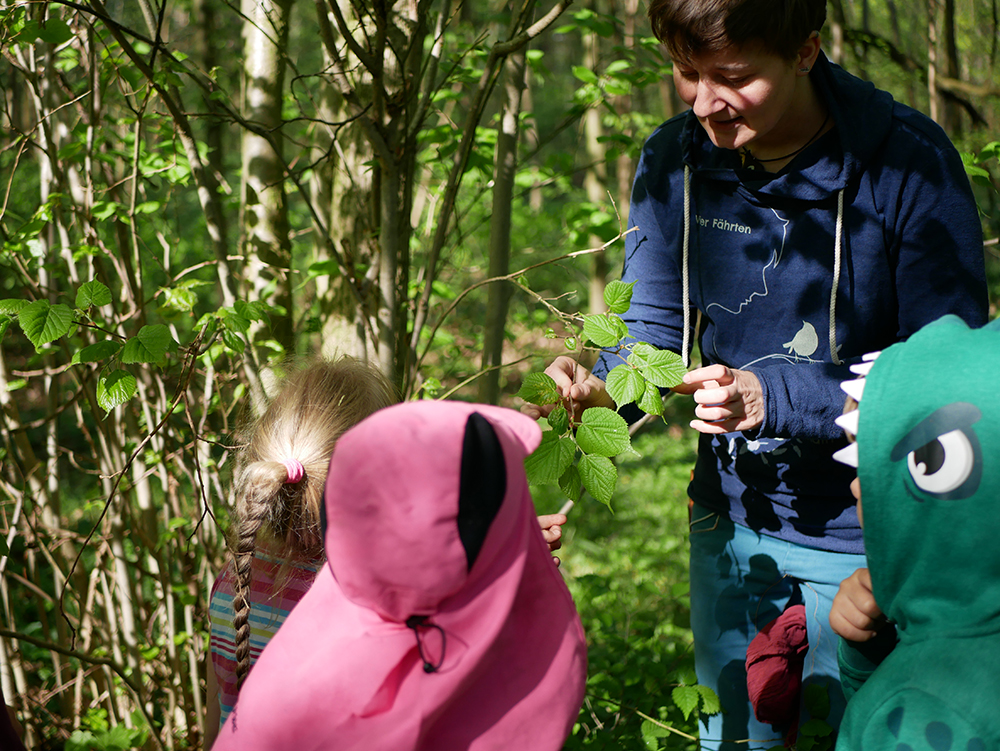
<point>855,614</point>
<point>551,525</point>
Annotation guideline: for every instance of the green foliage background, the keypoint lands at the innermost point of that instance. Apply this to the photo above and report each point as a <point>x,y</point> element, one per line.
<point>92,367</point>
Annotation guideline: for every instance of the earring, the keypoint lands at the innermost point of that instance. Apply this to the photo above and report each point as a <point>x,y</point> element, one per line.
<point>803,70</point>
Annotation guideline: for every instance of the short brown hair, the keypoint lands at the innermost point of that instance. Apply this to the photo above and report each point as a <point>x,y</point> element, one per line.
<point>691,27</point>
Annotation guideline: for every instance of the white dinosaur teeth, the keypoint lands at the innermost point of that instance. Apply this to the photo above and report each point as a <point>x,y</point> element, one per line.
<point>848,455</point>
<point>849,421</point>
<point>862,368</point>
<point>854,389</point>
<point>870,357</point>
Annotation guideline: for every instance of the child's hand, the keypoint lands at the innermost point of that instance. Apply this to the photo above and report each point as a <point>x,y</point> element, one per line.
<point>855,614</point>
<point>551,525</point>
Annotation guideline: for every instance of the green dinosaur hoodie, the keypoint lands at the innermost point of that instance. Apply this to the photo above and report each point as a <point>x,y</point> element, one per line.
<point>929,462</point>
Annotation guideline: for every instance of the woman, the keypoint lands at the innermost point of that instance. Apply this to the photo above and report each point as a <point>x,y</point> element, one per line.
<point>794,218</point>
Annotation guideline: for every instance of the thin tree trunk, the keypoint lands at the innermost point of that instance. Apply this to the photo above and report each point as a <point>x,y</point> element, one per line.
<point>265,206</point>
<point>837,25</point>
<point>932,62</point>
<point>503,193</point>
<point>595,182</point>
<point>952,111</point>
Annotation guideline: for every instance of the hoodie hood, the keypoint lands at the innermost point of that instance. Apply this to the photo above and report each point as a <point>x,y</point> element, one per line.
<point>440,620</point>
<point>862,115</point>
<point>929,463</point>
<point>394,518</point>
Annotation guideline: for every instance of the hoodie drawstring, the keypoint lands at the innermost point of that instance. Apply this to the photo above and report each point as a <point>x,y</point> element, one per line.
<point>686,346</point>
<point>836,278</point>
<point>686,289</point>
<point>416,622</point>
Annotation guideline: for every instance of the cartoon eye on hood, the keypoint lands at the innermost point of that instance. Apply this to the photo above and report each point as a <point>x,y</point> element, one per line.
<point>942,452</point>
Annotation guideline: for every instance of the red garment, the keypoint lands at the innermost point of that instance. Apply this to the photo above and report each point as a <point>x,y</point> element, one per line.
<point>774,669</point>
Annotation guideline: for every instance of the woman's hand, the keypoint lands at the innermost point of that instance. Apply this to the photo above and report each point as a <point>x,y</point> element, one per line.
<point>728,400</point>
<point>580,388</point>
<point>854,614</point>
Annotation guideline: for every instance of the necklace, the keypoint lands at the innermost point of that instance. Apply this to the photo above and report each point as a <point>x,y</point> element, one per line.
<point>751,162</point>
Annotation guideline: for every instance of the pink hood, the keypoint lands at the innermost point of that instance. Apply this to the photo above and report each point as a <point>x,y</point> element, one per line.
<point>429,516</point>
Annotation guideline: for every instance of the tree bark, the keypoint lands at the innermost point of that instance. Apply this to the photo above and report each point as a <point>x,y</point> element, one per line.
<point>595,182</point>
<point>265,206</point>
<point>503,192</point>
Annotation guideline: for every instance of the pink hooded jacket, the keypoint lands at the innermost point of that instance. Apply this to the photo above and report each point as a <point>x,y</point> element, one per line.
<point>439,622</point>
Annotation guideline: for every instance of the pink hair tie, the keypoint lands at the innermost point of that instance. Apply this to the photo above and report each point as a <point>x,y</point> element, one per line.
<point>295,470</point>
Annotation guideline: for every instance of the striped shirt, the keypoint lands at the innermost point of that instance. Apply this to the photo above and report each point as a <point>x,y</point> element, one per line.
<point>268,610</point>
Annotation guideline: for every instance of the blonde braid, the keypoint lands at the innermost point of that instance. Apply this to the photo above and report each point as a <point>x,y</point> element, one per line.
<point>263,484</point>
<point>314,406</point>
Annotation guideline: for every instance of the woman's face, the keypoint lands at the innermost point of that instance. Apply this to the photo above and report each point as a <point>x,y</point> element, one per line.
<point>740,95</point>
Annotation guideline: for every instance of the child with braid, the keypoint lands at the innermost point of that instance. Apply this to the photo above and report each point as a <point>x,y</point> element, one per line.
<point>276,541</point>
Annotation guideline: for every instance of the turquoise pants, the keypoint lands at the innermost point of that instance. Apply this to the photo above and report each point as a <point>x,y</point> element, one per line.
<point>740,582</point>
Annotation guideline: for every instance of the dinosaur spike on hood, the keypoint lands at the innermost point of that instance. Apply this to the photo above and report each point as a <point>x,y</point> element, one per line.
<point>849,421</point>
<point>848,455</point>
<point>854,389</point>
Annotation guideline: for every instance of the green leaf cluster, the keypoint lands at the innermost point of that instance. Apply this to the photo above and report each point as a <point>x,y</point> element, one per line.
<point>601,434</point>
<point>46,323</point>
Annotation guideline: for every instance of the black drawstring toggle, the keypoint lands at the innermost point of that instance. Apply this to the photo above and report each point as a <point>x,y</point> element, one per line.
<point>417,622</point>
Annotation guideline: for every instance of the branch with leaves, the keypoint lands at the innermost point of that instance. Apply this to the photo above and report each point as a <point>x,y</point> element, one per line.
<point>601,433</point>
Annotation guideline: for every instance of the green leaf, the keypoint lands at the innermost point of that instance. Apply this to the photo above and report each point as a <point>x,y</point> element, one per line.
<point>618,296</point>
<point>539,389</point>
<point>599,477</point>
<point>55,31</point>
<point>12,307</point>
<point>92,293</point>
<point>252,311</point>
<point>234,321</point>
<point>570,483</point>
<point>604,330</point>
<point>817,701</point>
<point>43,322</point>
<point>96,352</point>
<point>177,300</point>
<point>149,345</point>
<point>80,740</point>
<point>584,74</point>
<point>322,268</point>
<point>815,728</point>
<point>114,389</point>
<point>549,461</point>
<point>233,341</point>
<point>659,366</point>
<point>104,209</point>
<point>651,402</point>
<point>559,420</point>
<point>651,734</point>
<point>625,384</point>
<point>686,699</point>
<point>603,432</point>
<point>709,700</point>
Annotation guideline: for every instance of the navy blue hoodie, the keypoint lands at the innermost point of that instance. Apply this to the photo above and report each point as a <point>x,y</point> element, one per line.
<point>764,254</point>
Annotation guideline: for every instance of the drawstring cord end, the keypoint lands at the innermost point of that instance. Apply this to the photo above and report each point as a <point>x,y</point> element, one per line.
<point>416,622</point>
